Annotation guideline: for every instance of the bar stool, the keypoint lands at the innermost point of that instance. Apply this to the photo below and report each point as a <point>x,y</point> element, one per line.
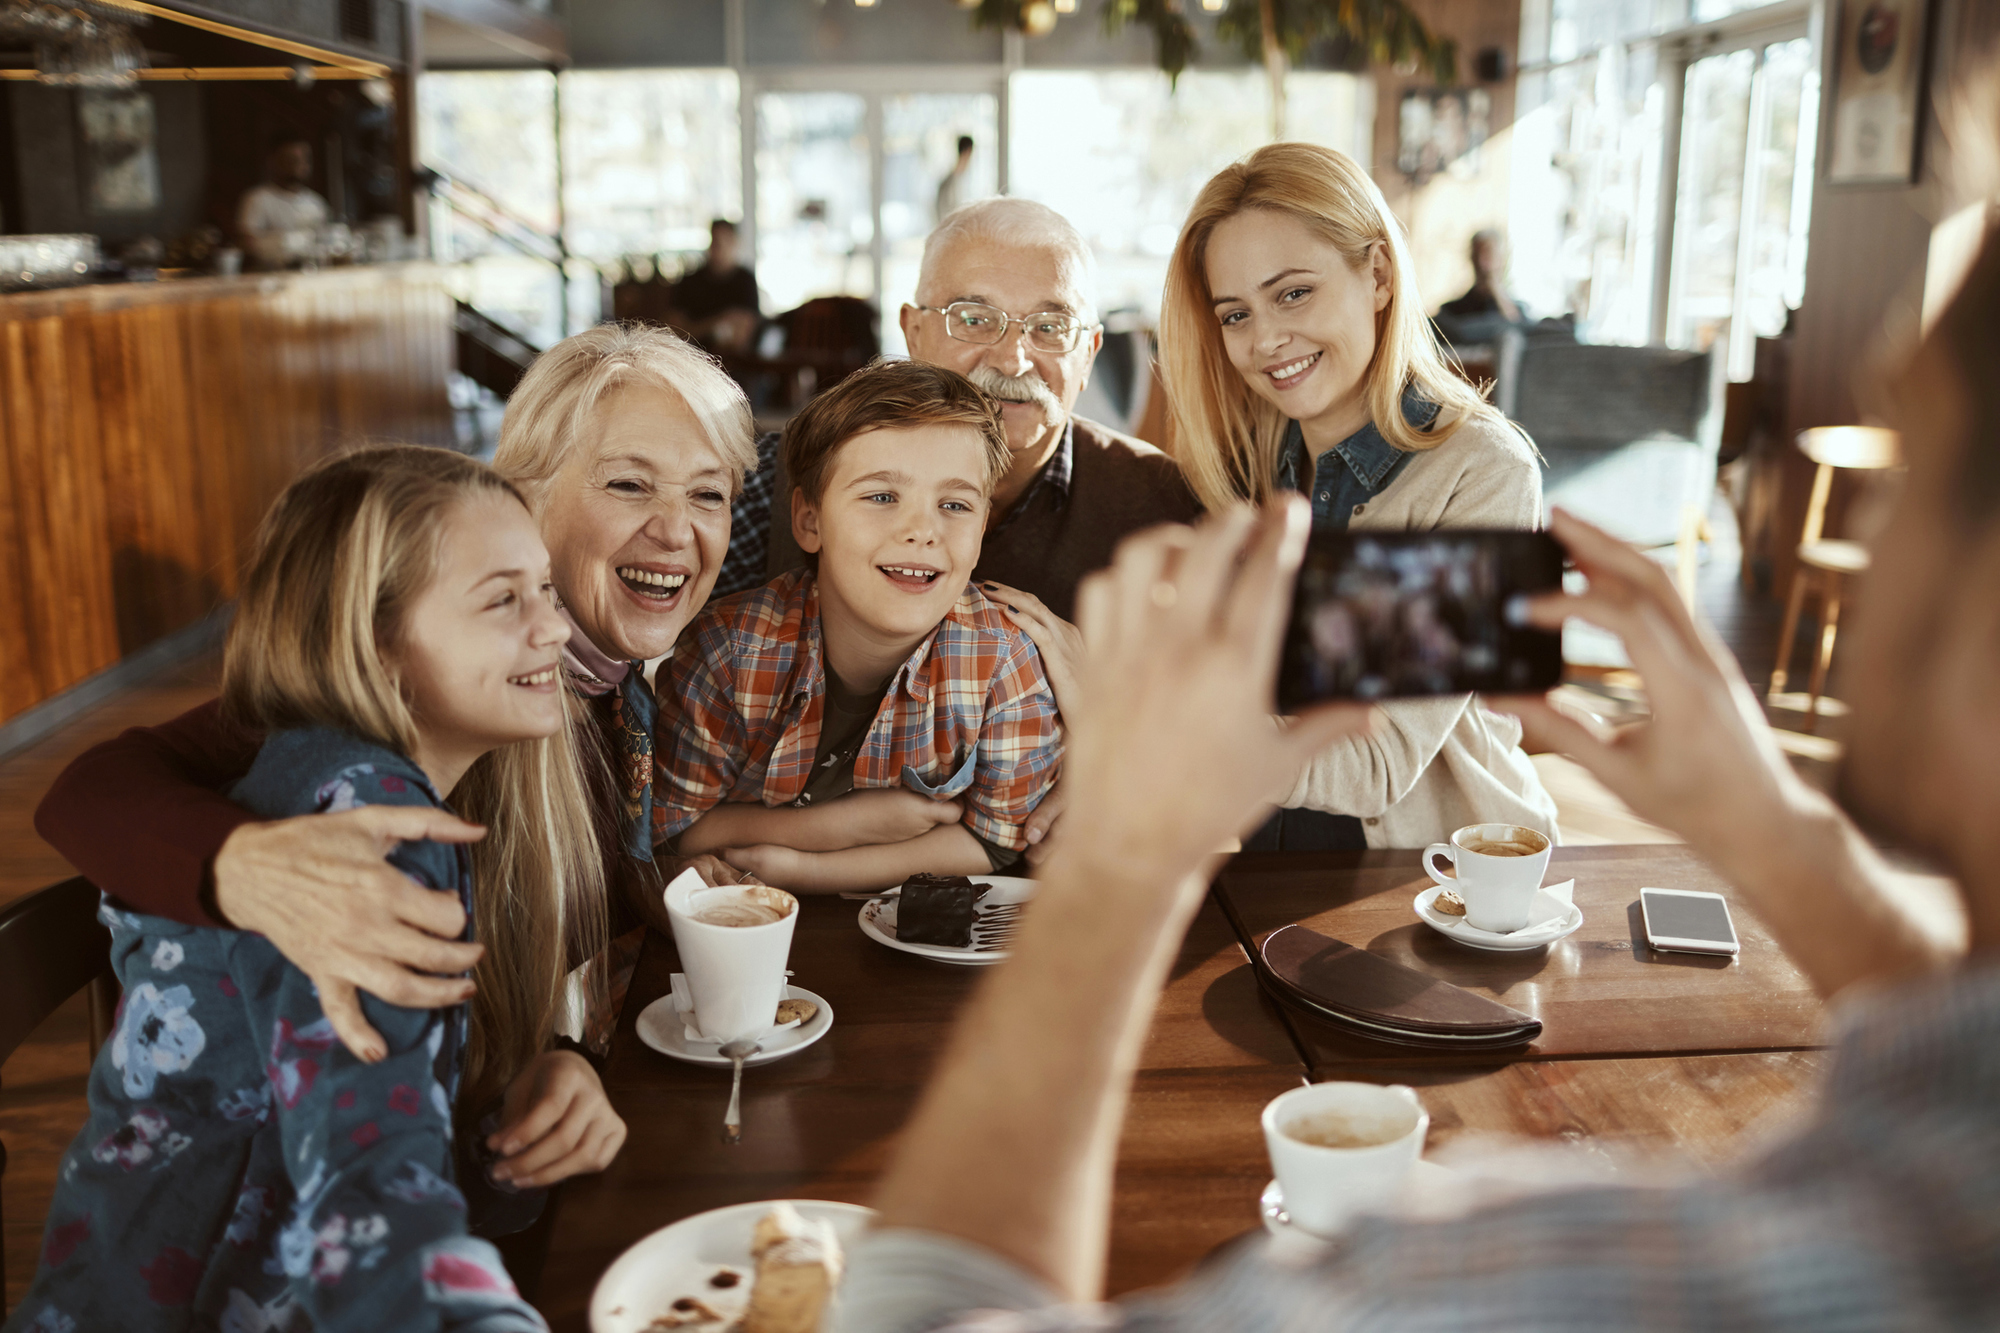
<point>1826,561</point>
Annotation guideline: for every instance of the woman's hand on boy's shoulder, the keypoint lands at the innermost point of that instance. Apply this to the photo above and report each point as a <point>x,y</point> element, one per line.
<point>556,1122</point>
<point>1059,642</point>
<point>321,889</point>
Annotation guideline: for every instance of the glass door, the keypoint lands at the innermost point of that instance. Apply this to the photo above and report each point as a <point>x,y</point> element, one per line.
<point>849,174</point>
<point>1749,122</point>
<point>921,181</point>
<point>815,204</point>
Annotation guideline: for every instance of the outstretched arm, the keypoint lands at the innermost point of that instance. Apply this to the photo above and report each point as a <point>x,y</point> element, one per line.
<point>858,819</point>
<point>1708,767</point>
<point>317,887</point>
<point>948,849</point>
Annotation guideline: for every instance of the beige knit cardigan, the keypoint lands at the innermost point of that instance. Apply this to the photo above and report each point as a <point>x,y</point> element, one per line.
<point>1430,766</point>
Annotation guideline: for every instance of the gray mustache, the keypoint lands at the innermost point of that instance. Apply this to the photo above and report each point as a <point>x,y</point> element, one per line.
<point>1028,388</point>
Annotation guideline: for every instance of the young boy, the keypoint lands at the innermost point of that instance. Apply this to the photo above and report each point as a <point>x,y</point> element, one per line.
<point>871,716</point>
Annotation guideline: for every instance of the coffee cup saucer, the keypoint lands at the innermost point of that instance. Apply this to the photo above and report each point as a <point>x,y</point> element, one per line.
<point>1425,1177</point>
<point>1552,917</point>
<point>661,1027</point>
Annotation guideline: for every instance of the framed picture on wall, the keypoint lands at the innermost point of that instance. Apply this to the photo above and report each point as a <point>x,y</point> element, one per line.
<point>1878,92</point>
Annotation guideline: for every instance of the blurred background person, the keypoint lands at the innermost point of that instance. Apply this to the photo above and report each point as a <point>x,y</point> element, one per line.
<point>280,219</point>
<point>1486,310</point>
<point>948,189</point>
<point>717,304</point>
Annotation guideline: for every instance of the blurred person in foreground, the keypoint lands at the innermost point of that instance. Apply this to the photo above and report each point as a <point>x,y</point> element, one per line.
<point>1883,1211</point>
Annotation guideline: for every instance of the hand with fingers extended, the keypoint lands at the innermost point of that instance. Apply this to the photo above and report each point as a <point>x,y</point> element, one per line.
<point>1060,643</point>
<point>1707,764</point>
<point>555,1122</point>
<point>320,889</point>
<point>1171,750</point>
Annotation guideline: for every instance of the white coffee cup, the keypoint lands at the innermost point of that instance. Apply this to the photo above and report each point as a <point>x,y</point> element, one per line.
<point>736,973</point>
<point>1380,1131</point>
<point>1499,890</point>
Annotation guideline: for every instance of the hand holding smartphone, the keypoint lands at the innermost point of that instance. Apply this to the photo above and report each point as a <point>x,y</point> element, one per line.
<point>1383,615</point>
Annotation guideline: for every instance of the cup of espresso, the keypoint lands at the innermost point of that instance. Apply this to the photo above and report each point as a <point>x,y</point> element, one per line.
<point>1341,1149</point>
<point>733,941</point>
<point>1498,870</point>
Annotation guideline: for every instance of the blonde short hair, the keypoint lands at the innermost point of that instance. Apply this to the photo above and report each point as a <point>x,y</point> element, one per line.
<point>550,411</point>
<point>1228,439</point>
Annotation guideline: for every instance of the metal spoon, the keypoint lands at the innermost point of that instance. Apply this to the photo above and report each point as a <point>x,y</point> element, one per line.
<point>732,1119</point>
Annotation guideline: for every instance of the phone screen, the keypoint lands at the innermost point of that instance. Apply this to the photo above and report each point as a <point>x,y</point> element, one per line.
<point>1394,614</point>
<point>1671,916</point>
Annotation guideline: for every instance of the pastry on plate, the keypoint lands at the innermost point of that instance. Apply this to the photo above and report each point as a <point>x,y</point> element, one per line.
<point>798,1265</point>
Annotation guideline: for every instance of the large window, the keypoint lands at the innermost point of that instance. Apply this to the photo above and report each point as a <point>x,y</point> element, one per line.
<point>1663,170</point>
<point>1745,191</point>
<point>1122,154</point>
<point>648,158</point>
<point>847,170</point>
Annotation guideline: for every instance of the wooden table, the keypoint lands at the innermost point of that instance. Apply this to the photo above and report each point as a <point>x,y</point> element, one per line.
<point>1191,1161</point>
<point>1601,992</point>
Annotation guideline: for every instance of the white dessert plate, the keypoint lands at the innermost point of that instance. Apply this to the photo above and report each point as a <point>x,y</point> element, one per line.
<point>878,922</point>
<point>661,1028</point>
<point>1552,917</point>
<point>677,1262</point>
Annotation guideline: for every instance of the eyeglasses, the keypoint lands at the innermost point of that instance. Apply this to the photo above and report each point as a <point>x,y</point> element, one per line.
<point>976,322</point>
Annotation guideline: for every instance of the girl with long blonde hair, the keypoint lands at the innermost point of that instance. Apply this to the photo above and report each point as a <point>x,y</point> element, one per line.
<point>398,644</point>
<point>1297,356</point>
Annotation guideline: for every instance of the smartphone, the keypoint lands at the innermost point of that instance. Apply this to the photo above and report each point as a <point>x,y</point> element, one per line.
<point>1684,921</point>
<point>1385,615</point>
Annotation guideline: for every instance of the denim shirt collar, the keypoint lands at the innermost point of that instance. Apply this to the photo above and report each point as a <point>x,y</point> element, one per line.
<point>1366,453</point>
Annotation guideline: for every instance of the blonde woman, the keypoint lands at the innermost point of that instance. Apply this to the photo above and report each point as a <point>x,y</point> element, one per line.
<point>629,445</point>
<point>397,643</point>
<point>1297,356</point>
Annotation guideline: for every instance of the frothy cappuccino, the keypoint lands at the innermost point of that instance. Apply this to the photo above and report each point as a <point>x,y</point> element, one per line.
<point>1504,848</point>
<point>739,914</point>
<point>1351,1128</point>
<point>744,906</point>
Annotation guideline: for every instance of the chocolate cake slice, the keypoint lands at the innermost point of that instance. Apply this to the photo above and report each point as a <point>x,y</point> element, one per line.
<point>937,909</point>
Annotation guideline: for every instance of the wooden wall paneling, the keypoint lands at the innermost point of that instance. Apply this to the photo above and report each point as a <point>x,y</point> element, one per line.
<point>20,673</point>
<point>145,430</point>
<point>220,405</point>
<point>85,627</point>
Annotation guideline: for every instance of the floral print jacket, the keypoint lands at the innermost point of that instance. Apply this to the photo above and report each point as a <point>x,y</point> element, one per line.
<point>240,1170</point>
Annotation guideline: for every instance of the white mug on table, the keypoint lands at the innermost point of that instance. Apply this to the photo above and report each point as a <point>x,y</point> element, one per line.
<point>1340,1149</point>
<point>735,972</point>
<point>1499,870</point>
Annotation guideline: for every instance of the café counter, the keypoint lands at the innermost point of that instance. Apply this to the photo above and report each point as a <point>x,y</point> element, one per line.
<point>145,427</point>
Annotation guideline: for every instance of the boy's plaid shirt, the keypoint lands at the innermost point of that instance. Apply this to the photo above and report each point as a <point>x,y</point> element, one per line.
<point>968,716</point>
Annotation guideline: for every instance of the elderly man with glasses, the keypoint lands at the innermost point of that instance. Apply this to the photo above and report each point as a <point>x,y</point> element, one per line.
<point>1005,298</point>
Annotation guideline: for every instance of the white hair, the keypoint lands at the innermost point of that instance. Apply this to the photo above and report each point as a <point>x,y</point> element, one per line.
<point>1016,222</point>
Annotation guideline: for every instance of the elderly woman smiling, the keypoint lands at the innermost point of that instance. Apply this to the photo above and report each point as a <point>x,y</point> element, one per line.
<point>630,446</point>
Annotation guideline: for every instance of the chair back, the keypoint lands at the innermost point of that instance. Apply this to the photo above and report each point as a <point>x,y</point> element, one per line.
<point>833,336</point>
<point>51,946</point>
